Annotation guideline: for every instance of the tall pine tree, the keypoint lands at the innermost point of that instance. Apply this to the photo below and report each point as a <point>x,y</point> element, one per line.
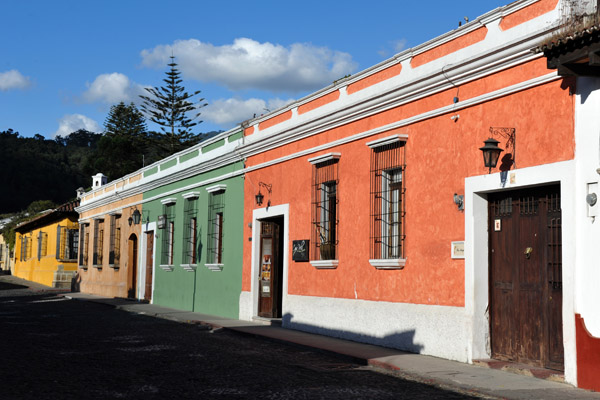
<point>174,110</point>
<point>125,146</point>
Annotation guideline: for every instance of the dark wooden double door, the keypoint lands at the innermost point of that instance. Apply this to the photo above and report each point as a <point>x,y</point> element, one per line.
<point>526,277</point>
<point>270,272</point>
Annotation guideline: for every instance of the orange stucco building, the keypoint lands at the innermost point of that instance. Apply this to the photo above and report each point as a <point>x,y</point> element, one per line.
<point>370,213</point>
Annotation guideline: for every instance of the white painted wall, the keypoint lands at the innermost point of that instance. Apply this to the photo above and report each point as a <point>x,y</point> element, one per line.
<point>476,251</point>
<point>587,155</point>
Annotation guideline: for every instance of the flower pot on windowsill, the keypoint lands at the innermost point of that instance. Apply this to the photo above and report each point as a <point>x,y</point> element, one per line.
<point>327,251</point>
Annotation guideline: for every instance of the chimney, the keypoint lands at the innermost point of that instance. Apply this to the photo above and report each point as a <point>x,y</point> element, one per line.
<point>98,180</point>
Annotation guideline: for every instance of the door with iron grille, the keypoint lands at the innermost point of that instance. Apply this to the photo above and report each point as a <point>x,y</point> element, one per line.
<point>526,276</point>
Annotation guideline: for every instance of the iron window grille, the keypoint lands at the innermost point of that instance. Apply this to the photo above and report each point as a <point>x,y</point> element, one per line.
<point>325,216</point>
<point>216,219</point>
<point>168,235</point>
<point>98,241</point>
<point>190,238</point>
<point>84,240</point>
<point>42,245</point>
<point>114,255</point>
<point>388,190</point>
<point>67,241</point>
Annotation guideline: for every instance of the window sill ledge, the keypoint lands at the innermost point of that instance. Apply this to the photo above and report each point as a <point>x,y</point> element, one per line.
<point>214,267</point>
<point>97,266</point>
<point>85,267</point>
<point>113,266</point>
<point>324,264</point>
<point>167,267</point>
<point>188,267</point>
<point>391,263</point>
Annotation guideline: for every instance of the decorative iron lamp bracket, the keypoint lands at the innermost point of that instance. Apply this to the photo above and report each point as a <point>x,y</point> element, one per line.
<point>259,196</point>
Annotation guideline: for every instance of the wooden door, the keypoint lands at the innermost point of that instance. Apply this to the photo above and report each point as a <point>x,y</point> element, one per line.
<point>526,277</point>
<point>149,264</point>
<point>132,276</point>
<point>269,297</point>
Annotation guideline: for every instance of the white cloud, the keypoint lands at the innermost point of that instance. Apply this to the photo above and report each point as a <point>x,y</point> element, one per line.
<point>248,64</point>
<point>111,89</point>
<point>72,122</point>
<point>228,112</point>
<point>13,79</point>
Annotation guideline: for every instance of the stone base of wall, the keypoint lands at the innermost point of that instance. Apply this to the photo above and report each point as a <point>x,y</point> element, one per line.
<point>63,279</point>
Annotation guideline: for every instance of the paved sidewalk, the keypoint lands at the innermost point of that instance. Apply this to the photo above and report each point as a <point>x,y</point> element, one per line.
<point>447,374</point>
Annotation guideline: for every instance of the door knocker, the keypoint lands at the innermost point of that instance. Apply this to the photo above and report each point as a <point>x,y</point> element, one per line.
<point>528,252</point>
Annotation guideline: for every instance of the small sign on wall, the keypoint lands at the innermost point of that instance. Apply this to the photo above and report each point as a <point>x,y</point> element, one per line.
<point>458,250</point>
<point>300,250</point>
<point>497,225</point>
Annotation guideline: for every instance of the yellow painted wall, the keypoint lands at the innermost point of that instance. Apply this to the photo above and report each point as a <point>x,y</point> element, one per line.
<point>42,269</point>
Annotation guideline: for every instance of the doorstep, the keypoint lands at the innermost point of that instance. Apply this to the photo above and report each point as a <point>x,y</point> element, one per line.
<point>267,321</point>
<point>522,369</point>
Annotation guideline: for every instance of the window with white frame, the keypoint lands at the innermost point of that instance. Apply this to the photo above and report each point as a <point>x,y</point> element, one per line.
<point>387,199</point>
<point>216,222</point>
<point>325,201</point>
<point>168,236</point>
<point>190,229</point>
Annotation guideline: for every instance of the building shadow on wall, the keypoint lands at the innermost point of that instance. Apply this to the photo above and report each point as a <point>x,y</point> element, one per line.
<point>403,340</point>
<point>76,282</point>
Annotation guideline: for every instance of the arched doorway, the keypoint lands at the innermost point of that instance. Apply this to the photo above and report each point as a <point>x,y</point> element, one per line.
<point>132,266</point>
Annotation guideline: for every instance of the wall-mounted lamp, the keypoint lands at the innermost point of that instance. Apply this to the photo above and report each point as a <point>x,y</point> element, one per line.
<point>135,217</point>
<point>459,200</point>
<point>491,153</point>
<point>259,196</point>
<point>591,199</point>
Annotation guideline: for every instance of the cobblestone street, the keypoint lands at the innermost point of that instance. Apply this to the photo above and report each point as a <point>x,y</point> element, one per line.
<point>53,347</point>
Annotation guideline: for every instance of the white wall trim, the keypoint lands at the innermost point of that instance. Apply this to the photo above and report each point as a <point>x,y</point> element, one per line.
<point>249,300</point>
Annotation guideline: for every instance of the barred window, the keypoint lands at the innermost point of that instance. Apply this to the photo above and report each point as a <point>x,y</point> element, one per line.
<point>67,241</point>
<point>387,198</point>
<point>216,219</point>
<point>114,255</point>
<point>190,237</point>
<point>42,244</point>
<point>325,216</point>
<point>98,241</point>
<point>168,238</point>
<point>84,240</point>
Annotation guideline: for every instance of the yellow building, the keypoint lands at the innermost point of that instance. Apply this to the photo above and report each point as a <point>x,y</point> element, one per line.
<point>46,247</point>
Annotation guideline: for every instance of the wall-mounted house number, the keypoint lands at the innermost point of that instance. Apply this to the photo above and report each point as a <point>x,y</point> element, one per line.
<point>497,225</point>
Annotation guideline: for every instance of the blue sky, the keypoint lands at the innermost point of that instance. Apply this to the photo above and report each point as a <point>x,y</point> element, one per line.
<point>64,63</point>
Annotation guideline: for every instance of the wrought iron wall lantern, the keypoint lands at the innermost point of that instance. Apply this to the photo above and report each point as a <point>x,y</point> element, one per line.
<point>259,197</point>
<point>135,217</point>
<point>491,153</point>
<point>459,200</point>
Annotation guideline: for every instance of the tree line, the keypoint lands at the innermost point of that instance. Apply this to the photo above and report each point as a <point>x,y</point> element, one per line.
<point>37,171</point>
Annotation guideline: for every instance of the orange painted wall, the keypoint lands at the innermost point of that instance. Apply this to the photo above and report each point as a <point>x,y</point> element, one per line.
<point>527,13</point>
<point>450,47</point>
<point>275,120</point>
<point>318,102</point>
<point>440,153</point>
<point>375,78</point>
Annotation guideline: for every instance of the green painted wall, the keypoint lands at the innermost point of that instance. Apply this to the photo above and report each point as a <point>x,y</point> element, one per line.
<point>205,291</point>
